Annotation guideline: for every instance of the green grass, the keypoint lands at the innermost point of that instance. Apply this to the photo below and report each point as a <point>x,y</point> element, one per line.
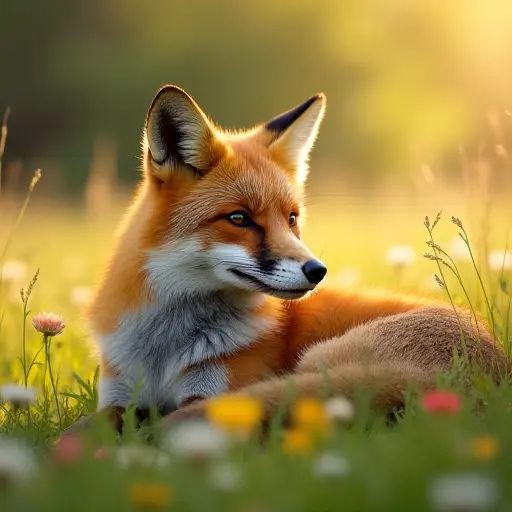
<point>389,468</point>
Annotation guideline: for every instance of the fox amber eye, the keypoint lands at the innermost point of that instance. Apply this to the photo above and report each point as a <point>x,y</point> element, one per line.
<point>292,219</point>
<point>239,219</point>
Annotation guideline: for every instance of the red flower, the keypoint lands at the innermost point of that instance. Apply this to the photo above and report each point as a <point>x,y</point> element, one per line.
<point>441,402</point>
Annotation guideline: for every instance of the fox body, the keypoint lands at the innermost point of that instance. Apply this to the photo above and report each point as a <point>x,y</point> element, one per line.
<point>210,287</point>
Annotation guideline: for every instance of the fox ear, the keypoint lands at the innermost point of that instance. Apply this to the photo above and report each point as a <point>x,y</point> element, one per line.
<point>290,136</point>
<point>178,133</point>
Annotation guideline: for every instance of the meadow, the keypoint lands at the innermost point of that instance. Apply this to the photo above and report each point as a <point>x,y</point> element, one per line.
<point>451,456</point>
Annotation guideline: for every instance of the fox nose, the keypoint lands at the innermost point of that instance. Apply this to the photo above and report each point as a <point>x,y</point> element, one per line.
<point>314,271</point>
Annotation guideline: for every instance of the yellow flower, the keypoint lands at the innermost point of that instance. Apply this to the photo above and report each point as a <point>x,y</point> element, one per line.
<point>149,496</point>
<point>485,448</point>
<point>310,414</point>
<point>297,441</point>
<point>235,413</point>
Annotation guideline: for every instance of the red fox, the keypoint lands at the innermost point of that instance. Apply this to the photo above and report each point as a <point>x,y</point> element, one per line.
<point>210,288</point>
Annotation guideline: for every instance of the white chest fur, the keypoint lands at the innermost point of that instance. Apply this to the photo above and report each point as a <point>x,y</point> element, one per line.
<point>152,346</point>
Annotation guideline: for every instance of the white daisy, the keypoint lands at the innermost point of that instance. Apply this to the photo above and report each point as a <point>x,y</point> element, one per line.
<point>17,395</point>
<point>400,256</point>
<point>340,408</point>
<point>331,464</point>
<point>17,461</point>
<point>469,492</point>
<point>196,439</point>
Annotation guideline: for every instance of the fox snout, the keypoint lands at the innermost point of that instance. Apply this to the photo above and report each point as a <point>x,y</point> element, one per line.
<point>314,270</point>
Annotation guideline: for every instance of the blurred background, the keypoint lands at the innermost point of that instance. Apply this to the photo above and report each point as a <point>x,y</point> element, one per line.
<point>419,106</point>
<point>408,83</point>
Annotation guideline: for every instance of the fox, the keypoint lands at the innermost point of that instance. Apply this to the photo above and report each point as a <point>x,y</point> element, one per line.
<point>211,290</point>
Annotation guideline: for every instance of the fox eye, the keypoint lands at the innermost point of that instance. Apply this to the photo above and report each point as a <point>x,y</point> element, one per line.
<point>292,219</point>
<point>240,219</point>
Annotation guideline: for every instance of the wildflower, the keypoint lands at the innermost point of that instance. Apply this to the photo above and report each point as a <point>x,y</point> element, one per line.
<point>238,414</point>
<point>441,402</point>
<point>49,324</point>
<point>485,448</point>
<point>499,260</point>
<point>196,440</point>
<point>310,414</point>
<point>297,441</point>
<point>150,496</point>
<point>13,271</point>
<point>18,396</point>
<point>225,476</point>
<point>67,450</point>
<point>17,461</point>
<point>80,295</point>
<point>459,250</point>
<point>331,464</point>
<point>400,256</point>
<point>340,409</point>
<point>129,456</point>
<point>463,492</point>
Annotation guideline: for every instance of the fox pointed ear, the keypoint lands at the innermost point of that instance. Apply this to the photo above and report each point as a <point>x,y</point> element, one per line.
<point>290,136</point>
<point>178,133</point>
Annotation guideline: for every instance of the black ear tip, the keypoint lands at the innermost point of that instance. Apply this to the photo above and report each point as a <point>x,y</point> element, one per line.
<point>284,121</point>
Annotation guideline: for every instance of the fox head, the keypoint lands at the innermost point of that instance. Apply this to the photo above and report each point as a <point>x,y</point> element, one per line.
<point>225,208</point>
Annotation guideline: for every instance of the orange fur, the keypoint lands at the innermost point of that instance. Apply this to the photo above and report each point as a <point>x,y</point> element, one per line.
<point>195,176</point>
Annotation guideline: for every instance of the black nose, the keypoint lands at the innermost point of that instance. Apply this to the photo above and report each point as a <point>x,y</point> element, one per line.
<point>314,271</point>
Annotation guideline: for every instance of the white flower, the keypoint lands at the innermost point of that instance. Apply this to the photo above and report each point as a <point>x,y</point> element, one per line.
<point>80,295</point>
<point>17,460</point>
<point>499,260</point>
<point>463,492</point>
<point>347,278</point>
<point>331,464</point>
<point>18,395</point>
<point>340,408</point>
<point>459,250</point>
<point>13,271</point>
<point>400,256</point>
<point>129,456</point>
<point>196,439</point>
<point>225,476</point>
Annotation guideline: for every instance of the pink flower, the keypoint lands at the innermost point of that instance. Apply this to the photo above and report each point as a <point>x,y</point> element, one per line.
<point>68,449</point>
<point>441,402</point>
<point>49,324</point>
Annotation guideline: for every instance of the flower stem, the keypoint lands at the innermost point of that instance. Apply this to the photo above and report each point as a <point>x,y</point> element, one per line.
<point>24,335</point>
<point>48,342</point>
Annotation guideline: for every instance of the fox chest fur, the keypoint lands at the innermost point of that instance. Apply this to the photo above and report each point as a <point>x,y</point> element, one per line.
<point>166,353</point>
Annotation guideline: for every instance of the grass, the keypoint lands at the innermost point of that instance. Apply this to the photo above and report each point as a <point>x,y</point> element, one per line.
<point>364,465</point>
